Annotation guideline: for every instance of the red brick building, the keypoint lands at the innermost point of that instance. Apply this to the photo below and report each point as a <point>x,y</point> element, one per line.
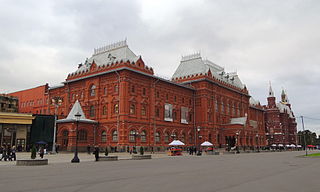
<point>281,126</point>
<point>133,107</point>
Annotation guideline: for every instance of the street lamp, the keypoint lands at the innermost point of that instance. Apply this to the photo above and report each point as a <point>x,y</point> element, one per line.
<point>136,134</point>
<point>75,158</point>
<point>199,137</point>
<point>56,102</point>
<point>257,140</point>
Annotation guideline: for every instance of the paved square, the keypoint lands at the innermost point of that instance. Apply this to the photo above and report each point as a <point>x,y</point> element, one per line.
<point>224,173</point>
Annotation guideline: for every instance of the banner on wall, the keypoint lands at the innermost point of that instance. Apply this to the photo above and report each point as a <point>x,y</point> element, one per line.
<point>184,115</point>
<point>168,112</point>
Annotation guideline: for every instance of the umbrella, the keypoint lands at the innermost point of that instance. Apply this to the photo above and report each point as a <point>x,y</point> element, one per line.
<point>310,146</point>
<point>176,143</point>
<point>41,142</point>
<point>206,144</point>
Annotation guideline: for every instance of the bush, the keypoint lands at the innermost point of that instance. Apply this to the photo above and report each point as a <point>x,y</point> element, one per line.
<point>33,152</point>
<point>141,151</point>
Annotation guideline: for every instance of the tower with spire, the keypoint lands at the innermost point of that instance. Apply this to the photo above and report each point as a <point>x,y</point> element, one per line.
<point>271,98</point>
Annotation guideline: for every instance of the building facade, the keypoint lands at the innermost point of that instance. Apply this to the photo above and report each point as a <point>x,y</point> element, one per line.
<point>133,107</point>
<point>281,125</point>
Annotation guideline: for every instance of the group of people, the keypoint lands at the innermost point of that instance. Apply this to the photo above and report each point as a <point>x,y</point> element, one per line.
<point>8,153</point>
<point>192,150</point>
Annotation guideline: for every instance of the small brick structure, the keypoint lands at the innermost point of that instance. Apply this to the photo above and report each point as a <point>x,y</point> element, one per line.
<point>140,157</point>
<point>32,162</point>
<point>108,158</point>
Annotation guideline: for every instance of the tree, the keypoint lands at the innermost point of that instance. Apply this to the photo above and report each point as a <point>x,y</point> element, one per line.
<point>33,152</point>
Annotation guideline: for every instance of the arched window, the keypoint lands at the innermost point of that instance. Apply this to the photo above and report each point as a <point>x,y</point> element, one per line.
<point>82,135</point>
<point>143,110</point>
<point>104,110</point>
<point>133,89</point>
<point>92,111</point>
<point>166,137</point>
<point>115,135</point>
<point>183,137</point>
<point>116,108</point>
<point>132,136</point>
<point>65,133</point>
<point>143,136</point>
<point>157,112</point>
<point>144,91</point>
<point>132,109</point>
<point>116,88</point>
<point>93,90</point>
<point>103,136</point>
<point>157,137</point>
<point>105,90</point>
<point>190,139</point>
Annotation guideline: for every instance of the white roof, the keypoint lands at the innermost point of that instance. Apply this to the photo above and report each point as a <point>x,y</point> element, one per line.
<point>194,64</point>
<point>285,108</point>
<point>72,118</point>
<point>252,101</point>
<point>110,54</point>
<point>206,143</point>
<point>176,143</point>
<point>239,120</point>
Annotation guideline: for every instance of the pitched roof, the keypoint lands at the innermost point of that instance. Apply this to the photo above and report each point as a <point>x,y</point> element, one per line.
<point>110,54</point>
<point>194,64</point>
<point>72,118</point>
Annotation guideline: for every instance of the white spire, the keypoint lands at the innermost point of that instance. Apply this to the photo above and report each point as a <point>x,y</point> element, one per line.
<point>271,94</point>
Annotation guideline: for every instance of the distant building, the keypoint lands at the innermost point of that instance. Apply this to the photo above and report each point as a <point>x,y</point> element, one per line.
<point>281,125</point>
<point>8,103</point>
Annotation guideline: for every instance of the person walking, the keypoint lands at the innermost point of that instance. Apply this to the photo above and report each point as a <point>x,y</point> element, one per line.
<point>96,152</point>
<point>9,153</point>
<point>1,152</point>
<point>13,153</point>
<point>41,152</point>
<point>88,149</point>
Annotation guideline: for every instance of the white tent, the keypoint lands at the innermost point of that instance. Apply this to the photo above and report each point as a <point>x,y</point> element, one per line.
<point>274,145</point>
<point>206,144</point>
<point>280,145</point>
<point>176,143</point>
<point>299,146</point>
<point>292,145</point>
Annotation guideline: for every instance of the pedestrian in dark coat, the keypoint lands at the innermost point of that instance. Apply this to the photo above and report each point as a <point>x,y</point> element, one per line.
<point>88,149</point>
<point>96,152</point>
<point>13,153</point>
<point>41,152</point>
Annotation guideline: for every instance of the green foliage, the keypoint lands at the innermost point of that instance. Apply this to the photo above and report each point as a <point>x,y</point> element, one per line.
<point>106,152</point>
<point>141,151</point>
<point>33,152</point>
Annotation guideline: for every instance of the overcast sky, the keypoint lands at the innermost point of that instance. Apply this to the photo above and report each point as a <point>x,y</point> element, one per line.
<point>278,41</point>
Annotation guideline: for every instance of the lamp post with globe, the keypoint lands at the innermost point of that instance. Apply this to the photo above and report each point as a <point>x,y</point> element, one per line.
<point>76,158</point>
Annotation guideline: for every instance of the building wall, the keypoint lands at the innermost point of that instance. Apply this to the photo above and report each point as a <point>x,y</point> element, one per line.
<point>280,127</point>
<point>33,100</point>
